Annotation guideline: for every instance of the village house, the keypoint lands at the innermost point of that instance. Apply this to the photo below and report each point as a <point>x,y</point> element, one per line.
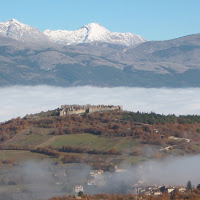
<point>77,189</point>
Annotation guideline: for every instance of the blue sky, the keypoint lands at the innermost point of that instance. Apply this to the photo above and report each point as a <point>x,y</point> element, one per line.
<point>152,19</point>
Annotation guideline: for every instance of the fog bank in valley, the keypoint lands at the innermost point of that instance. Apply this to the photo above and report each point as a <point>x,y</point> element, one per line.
<point>44,180</point>
<point>21,100</point>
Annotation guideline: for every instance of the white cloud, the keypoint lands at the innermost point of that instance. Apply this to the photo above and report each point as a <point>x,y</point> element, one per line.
<point>22,100</point>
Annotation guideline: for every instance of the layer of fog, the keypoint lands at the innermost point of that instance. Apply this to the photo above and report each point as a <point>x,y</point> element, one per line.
<point>172,171</point>
<point>44,180</point>
<point>40,180</point>
<point>21,100</point>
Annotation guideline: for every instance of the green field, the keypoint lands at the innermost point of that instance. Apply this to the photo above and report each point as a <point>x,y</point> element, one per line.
<point>126,144</point>
<point>32,136</point>
<point>21,156</point>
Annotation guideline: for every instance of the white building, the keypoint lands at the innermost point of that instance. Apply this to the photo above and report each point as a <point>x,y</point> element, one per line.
<point>77,189</point>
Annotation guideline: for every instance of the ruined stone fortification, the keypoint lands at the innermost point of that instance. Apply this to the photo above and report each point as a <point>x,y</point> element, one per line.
<point>78,109</point>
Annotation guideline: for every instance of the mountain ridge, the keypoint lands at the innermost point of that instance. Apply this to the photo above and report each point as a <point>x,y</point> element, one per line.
<point>93,32</point>
<point>21,32</point>
<point>89,33</point>
<point>34,61</point>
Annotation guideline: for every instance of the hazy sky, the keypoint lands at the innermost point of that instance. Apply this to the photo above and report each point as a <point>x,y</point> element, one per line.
<point>152,19</point>
<point>19,101</point>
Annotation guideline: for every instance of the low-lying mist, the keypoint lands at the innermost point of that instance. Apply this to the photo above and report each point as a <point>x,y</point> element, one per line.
<point>43,179</point>
<point>40,180</point>
<point>21,100</point>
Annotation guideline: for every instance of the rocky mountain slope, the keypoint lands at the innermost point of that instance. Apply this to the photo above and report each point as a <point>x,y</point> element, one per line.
<point>92,55</point>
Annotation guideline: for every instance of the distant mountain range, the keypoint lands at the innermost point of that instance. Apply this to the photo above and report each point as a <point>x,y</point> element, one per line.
<point>92,55</point>
<point>89,33</point>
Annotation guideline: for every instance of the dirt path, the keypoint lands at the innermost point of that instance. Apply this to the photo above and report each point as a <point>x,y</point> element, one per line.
<point>48,142</point>
<point>175,138</point>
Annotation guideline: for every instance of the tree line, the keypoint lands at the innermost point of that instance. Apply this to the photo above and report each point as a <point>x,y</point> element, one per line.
<point>77,149</point>
<point>150,128</point>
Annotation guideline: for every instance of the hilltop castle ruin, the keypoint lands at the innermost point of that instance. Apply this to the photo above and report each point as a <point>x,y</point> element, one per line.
<point>81,109</point>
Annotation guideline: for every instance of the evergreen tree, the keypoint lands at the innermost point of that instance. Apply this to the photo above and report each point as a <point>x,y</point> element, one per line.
<point>80,193</point>
<point>189,185</point>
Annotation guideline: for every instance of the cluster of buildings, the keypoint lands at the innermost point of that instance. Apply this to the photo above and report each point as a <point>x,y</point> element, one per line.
<point>139,188</point>
<point>96,179</point>
<point>81,109</point>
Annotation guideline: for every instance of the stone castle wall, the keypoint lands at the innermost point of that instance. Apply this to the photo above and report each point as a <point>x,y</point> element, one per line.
<point>71,112</point>
<point>77,109</point>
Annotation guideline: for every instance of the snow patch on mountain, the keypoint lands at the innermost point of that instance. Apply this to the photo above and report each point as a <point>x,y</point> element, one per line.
<point>92,33</point>
<point>88,34</point>
<point>22,32</point>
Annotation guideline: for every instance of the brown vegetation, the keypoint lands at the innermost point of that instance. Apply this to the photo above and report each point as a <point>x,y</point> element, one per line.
<point>147,128</point>
<point>72,159</point>
<point>75,149</point>
<point>47,151</point>
<point>189,195</point>
<point>7,162</point>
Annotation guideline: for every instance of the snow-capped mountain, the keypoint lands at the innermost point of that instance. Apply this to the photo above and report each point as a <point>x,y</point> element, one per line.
<point>22,32</point>
<point>93,33</point>
<point>100,60</point>
<point>90,33</point>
